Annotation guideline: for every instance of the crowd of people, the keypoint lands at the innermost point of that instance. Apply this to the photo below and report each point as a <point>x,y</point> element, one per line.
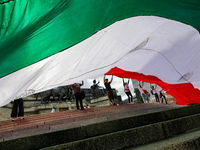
<point>18,106</point>
<point>143,92</point>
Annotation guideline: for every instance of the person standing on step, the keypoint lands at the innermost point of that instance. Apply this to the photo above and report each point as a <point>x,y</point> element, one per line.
<point>18,104</point>
<point>109,90</point>
<point>78,95</point>
<point>154,92</point>
<point>142,93</point>
<point>127,91</point>
<point>162,96</point>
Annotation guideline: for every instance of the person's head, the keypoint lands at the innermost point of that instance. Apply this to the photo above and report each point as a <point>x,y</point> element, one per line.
<point>152,87</point>
<point>94,81</point>
<point>106,80</point>
<point>125,83</point>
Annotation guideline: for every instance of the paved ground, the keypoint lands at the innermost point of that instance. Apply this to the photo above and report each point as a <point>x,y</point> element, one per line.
<point>72,118</point>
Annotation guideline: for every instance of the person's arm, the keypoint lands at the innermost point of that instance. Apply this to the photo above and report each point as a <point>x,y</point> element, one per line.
<point>155,86</point>
<point>123,81</point>
<point>82,83</point>
<point>104,78</point>
<point>128,81</point>
<point>139,83</point>
<point>111,79</point>
<point>150,86</point>
<point>142,84</point>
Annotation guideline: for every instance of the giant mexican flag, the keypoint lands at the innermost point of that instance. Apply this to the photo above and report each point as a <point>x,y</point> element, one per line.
<point>50,43</point>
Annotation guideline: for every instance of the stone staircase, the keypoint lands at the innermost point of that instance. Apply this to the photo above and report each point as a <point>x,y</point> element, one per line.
<point>34,107</point>
<point>131,126</point>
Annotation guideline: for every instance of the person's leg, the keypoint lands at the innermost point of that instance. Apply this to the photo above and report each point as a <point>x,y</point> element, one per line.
<point>81,103</point>
<point>157,99</point>
<point>21,109</point>
<point>165,99</point>
<point>108,93</point>
<point>14,110</point>
<point>162,100</point>
<point>81,100</point>
<point>143,98</point>
<point>112,96</point>
<point>131,96</point>
<point>77,105</point>
<point>127,93</point>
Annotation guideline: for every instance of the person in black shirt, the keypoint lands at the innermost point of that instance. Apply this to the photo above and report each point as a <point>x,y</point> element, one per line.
<point>109,89</point>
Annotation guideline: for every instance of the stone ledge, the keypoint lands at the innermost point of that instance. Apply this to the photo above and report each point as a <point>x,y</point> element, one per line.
<point>130,127</point>
<point>135,136</point>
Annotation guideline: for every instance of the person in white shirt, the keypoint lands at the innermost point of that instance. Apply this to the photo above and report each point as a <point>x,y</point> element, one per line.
<point>154,92</point>
<point>143,95</point>
<point>127,91</point>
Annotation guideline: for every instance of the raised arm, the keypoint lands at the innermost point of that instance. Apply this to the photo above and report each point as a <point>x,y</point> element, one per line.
<point>111,79</point>
<point>155,86</point>
<point>82,83</point>
<point>128,81</point>
<point>104,78</point>
<point>150,86</point>
<point>123,81</point>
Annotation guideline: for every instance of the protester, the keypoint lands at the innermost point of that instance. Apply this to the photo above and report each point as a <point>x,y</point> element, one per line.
<point>154,92</point>
<point>162,96</point>
<point>78,94</point>
<point>18,104</point>
<point>142,93</point>
<point>109,89</point>
<point>127,91</point>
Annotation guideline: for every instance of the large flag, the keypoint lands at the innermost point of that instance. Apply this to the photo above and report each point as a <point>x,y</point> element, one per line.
<point>50,43</point>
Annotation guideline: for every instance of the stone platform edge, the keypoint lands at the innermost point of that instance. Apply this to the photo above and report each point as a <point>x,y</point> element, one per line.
<point>130,125</point>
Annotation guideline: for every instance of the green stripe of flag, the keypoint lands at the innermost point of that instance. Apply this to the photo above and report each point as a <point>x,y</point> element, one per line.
<point>33,30</point>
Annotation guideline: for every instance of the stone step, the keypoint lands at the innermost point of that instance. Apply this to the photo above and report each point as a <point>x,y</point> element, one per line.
<point>69,126</point>
<point>140,136</point>
<point>184,141</point>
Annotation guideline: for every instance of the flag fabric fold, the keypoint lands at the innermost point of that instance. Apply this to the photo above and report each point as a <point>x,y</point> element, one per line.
<point>45,44</point>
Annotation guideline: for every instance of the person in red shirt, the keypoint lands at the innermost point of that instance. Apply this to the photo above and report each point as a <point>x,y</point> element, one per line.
<point>78,95</point>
